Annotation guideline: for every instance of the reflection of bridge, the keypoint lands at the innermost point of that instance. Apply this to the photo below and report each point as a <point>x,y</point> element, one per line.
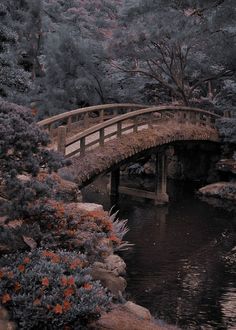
<point>100,138</point>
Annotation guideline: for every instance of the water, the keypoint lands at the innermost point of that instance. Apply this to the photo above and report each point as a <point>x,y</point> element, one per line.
<point>177,267</point>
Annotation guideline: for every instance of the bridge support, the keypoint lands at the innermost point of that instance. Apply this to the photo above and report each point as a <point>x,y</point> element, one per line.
<point>114,186</point>
<point>161,196</point>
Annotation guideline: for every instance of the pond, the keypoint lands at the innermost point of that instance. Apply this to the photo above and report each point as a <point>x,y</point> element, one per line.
<point>176,267</point>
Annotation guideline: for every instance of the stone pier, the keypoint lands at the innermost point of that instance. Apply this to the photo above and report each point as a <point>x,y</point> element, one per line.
<point>159,195</point>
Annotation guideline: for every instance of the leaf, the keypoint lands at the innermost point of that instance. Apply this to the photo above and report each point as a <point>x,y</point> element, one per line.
<point>30,242</point>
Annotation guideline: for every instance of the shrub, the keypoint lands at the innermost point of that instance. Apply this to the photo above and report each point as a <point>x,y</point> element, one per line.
<point>45,289</point>
<point>23,152</point>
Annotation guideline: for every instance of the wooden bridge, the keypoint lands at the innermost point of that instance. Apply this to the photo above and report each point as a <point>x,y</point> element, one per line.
<point>100,138</point>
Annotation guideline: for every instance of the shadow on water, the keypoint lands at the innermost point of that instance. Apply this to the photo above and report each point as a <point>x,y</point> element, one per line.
<point>177,267</point>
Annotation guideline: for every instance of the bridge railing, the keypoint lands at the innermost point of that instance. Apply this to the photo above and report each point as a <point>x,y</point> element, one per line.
<point>128,123</point>
<point>83,118</point>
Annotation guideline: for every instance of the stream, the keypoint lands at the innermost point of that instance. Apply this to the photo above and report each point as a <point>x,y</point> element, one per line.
<point>177,266</point>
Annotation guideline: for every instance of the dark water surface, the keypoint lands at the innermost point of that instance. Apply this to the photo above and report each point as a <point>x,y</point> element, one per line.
<point>177,267</point>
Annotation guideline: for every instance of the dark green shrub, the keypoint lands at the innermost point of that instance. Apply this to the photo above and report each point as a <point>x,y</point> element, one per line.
<point>50,290</point>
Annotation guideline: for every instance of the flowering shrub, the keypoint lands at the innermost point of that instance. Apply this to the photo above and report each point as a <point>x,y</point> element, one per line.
<point>50,289</point>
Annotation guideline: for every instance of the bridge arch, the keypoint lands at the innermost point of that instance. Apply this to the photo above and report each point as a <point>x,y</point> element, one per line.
<point>111,140</point>
<point>85,168</point>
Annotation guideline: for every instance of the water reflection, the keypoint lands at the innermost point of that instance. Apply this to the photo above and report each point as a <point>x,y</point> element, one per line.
<point>176,267</point>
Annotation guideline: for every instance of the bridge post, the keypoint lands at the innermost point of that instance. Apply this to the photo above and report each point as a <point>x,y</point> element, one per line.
<point>161,179</point>
<point>114,186</point>
<point>61,139</point>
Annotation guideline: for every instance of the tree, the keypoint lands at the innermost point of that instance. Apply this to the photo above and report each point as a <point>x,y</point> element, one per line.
<point>184,56</point>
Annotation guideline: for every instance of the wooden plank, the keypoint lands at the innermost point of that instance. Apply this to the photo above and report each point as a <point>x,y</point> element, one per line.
<point>137,192</point>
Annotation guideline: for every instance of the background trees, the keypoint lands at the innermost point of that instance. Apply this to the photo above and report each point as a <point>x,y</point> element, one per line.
<point>13,78</point>
<point>181,47</point>
<point>64,55</point>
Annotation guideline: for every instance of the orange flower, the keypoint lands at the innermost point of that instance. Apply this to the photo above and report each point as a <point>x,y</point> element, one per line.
<point>21,268</point>
<point>71,281</point>
<point>10,274</point>
<point>37,302</point>
<point>55,259</point>
<point>64,280</point>
<point>17,286</point>
<point>58,309</point>
<point>87,286</point>
<point>26,260</point>
<point>66,305</point>
<point>68,292</point>
<point>47,253</point>
<point>5,298</point>
<point>75,264</point>
<point>45,281</point>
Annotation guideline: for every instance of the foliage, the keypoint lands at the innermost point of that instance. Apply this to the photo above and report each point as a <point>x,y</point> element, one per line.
<point>227,129</point>
<point>50,290</point>
<point>23,152</point>
<point>185,56</point>
<point>95,232</point>
<point>14,80</point>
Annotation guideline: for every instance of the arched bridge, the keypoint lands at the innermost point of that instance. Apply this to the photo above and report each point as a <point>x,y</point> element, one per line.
<point>100,138</point>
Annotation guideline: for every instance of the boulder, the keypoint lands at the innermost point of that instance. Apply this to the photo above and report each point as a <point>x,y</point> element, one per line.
<point>89,207</point>
<point>108,279</point>
<point>223,190</point>
<point>115,264</point>
<point>68,192</point>
<point>141,312</point>
<point>122,319</point>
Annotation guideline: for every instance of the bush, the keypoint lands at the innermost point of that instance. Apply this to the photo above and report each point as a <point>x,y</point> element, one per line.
<point>227,129</point>
<point>45,289</point>
<point>23,152</point>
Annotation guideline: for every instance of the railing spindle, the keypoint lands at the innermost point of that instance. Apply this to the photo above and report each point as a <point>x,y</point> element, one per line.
<point>101,117</point>
<point>119,129</point>
<point>86,120</point>
<point>61,139</point>
<point>82,146</point>
<point>135,124</point>
<point>101,137</point>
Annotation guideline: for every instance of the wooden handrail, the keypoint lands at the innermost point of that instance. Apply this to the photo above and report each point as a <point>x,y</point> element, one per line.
<point>69,114</point>
<point>134,114</point>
